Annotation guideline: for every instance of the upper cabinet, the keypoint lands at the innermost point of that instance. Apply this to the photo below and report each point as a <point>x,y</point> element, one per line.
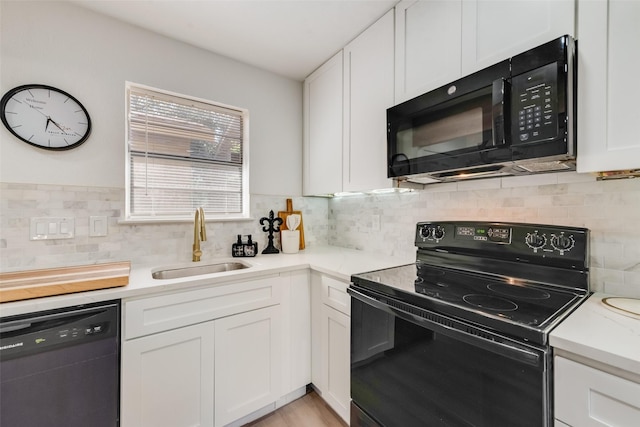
<point>345,105</point>
<point>368,92</point>
<point>322,112</point>
<point>428,40</point>
<point>493,30</point>
<point>608,60</point>
<point>439,41</point>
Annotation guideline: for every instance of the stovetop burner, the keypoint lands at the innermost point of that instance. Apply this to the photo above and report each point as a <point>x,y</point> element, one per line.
<point>491,303</point>
<point>518,291</point>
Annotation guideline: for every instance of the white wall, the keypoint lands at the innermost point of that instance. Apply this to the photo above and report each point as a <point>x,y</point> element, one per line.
<point>91,57</point>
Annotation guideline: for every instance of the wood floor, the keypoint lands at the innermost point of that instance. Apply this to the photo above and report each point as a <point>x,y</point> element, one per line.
<point>308,411</point>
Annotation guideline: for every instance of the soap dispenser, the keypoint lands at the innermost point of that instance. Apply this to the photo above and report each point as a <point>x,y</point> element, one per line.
<point>237,249</point>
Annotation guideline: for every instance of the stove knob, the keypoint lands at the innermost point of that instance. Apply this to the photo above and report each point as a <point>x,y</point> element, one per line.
<point>535,240</point>
<point>562,242</point>
<point>425,232</point>
<point>438,232</point>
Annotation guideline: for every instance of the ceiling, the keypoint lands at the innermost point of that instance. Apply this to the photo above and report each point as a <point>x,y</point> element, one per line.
<point>288,37</point>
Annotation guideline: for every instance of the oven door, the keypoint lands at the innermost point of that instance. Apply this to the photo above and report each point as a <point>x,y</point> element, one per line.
<point>461,125</point>
<point>410,367</point>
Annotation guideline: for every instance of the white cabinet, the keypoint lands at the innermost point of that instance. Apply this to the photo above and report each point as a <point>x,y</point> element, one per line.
<point>215,355</point>
<point>608,61</point>
<point>589,397</point>
<point>344,108</point>
<point>428,40</point>
<point>296,330</point>
<point>368,92</point>
<point>167,378</point>
<point>335,341</point>
<point>247,362</point>
<point>331,326</point>
<point>439,41</point>
<point>322,139</point>
<point>493,30</point>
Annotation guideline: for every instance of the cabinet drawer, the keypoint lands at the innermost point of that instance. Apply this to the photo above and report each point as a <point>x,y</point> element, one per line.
<point>156,314</point>
<point>589,397</point>
<point>334,294</point>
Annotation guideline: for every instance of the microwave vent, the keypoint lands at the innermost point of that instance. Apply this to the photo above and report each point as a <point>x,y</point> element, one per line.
<point>545,166</point>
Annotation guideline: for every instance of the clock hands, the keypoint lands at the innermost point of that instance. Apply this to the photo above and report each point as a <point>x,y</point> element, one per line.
<point>56,125</point>
<point>49,120</point>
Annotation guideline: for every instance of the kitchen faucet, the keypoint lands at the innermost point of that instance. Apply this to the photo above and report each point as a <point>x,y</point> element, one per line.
<point>199,234</point>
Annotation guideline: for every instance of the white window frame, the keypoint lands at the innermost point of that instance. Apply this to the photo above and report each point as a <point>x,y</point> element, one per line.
<point>187,216</point>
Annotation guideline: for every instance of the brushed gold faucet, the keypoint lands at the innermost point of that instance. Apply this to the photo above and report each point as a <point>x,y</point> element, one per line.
<point>199,234</point>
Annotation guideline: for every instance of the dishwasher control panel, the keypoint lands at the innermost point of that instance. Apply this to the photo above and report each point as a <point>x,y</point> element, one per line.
<point>45,331</point>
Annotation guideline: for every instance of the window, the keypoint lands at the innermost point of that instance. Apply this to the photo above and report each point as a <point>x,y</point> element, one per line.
<point>184,153</point>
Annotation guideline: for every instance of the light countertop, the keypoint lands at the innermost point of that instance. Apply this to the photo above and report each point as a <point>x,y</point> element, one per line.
<point>598,333</point>
<point>335,261</point>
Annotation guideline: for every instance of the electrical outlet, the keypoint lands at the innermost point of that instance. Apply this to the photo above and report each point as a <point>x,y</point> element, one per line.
<point>97,226</point>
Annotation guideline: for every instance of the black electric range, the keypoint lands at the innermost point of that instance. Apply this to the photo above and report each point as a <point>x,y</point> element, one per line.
<point>516,279</point>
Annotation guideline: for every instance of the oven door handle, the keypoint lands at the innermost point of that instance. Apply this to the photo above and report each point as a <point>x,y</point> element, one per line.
<point>510,350</point>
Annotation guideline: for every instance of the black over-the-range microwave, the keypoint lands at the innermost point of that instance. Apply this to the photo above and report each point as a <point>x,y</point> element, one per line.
<point>516,117</point>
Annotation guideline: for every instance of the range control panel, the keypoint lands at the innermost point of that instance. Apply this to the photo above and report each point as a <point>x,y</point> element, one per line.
<point>505,240</point>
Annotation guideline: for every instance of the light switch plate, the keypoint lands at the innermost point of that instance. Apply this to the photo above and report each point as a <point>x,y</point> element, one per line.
<point>97,226</point>
<point>51,228</point>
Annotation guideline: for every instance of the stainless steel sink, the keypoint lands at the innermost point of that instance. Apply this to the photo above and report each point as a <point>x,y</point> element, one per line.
<point>198,270</point>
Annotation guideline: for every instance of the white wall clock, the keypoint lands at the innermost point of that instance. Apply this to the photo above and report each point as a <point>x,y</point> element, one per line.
<point>45,117</point>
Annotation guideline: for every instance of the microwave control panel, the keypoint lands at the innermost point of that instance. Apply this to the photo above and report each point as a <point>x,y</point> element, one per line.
<point>534,97</point>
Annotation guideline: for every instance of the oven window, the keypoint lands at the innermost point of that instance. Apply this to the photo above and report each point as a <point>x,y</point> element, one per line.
<point>458,126</point>
<point>406,375</point>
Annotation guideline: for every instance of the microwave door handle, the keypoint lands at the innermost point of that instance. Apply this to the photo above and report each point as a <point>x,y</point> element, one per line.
<point>500,118</point>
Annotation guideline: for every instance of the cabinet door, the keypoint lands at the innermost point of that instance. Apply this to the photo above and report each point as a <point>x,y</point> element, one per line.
<point>608,63</point>
<point>317,345</point>
<point>493,30</point>
<point>296,331</point>
<point>588,397</point>
<point>428,43</point>
<point>335,339</point>
<point>167,378</point>
<point>247,362</point>
<point>322,115</point>
<point>368,92</point>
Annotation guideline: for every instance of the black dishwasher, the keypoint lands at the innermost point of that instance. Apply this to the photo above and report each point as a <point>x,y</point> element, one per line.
<point>61,368</point>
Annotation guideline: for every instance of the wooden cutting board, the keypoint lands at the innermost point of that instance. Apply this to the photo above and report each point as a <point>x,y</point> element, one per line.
<point>285,214</point>
<point>21,285</point>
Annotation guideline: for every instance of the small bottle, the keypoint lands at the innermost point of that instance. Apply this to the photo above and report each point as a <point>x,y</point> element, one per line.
<point>237,249</point>
<point>249,247</point>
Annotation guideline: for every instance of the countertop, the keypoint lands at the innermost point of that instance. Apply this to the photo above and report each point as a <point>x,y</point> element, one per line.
<point>334,261</point>
<point>597,333</point>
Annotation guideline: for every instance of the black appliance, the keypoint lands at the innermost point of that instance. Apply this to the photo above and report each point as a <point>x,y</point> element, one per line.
<point>516,117</point>
<point>460,337</point>
<point>61,368</point>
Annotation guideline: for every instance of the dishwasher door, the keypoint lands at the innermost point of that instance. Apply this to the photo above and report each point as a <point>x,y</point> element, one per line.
<point>61,368</point>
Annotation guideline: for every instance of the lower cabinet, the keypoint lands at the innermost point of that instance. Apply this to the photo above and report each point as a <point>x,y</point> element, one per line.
<point>168,378</point>
<point>215,356</point>
<point>331,345</point>
<point>335,333</point>
<point>589,397</point>
<point>247,364</point>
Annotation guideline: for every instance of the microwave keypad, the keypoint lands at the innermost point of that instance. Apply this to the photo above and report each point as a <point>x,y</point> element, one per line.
<point>537,111</point>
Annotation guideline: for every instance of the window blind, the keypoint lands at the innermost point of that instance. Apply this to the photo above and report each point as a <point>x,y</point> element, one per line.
<point>183,154</point>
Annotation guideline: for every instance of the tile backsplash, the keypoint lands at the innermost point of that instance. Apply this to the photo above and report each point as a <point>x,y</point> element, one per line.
<point>610,209</point>
<point>382,223</point>
<point>139,243</point>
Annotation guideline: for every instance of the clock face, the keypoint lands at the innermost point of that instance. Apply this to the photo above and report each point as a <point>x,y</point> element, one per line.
<point>45,117</point>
